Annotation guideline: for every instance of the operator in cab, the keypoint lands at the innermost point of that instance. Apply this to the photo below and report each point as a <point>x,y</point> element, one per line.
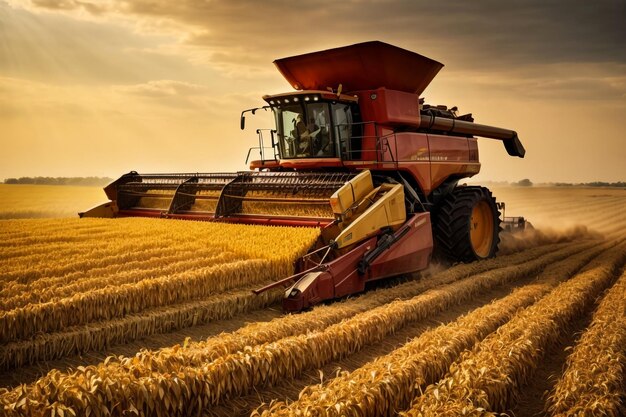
<point>313,140</point>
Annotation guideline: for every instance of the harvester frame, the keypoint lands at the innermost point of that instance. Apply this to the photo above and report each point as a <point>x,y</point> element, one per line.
<point>359,152</point>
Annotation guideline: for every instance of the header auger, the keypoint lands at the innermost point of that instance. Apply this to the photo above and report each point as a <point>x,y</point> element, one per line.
<point>357,153</point>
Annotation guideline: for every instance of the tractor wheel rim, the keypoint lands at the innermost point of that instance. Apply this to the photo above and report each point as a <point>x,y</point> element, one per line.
<point>481,229</point>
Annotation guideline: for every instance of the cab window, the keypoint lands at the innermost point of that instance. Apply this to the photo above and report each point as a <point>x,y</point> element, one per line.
<point>286,123</point>
<point>347,130</point>
<point>304,130</point>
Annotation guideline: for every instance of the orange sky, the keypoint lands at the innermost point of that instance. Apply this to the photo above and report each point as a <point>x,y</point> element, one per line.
<point>105,87</point>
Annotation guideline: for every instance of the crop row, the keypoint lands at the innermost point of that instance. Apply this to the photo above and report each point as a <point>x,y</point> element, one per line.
<point>29,276</point>
<point>490,377</point>
<point>115,302</point>
<point>170,387</point>
<point>594,381</point>
<point>441,285</point>
<point>97,336</point>
<point>20,232</point>
<point>68,286</point>
<point>390,382</point>
<point>197,353</point>
<point>102,335</point>
<point>25,256</point>
<point>257,255</point>
<point>103,241</point>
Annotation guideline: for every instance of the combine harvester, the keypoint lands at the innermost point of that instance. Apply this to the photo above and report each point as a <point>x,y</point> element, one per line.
<point>357,153</point>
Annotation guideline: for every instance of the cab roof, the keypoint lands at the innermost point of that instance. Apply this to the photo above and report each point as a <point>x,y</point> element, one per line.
<point>320,94</point>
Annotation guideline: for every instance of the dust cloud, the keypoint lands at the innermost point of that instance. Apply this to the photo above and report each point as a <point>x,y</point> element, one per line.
<point>528,238</point>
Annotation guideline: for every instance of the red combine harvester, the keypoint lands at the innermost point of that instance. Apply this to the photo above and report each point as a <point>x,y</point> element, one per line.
<point>356,153</point>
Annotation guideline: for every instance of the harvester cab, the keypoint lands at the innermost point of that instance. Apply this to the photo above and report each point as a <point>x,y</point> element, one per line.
<point>357,153</point>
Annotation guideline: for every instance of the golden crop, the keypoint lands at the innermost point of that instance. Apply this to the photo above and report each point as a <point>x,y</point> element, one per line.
<point>70,286</point>
<point>275,208</point>
<point>127,265</point>
<point>326,315</point>
<point>595,378</point>
<point>160,199</point>
<point>21,201</point>
<point>101,335</point>
<point>488,378</point>
<point>390,382</point>
<point>234,373</point>
<point>107,269</point>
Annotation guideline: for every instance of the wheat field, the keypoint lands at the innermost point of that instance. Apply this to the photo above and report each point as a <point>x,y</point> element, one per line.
<point>23,201</point>
<point>155,317</point>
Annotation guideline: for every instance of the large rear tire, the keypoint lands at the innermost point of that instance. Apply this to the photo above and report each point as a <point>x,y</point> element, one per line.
<point>467,225</point>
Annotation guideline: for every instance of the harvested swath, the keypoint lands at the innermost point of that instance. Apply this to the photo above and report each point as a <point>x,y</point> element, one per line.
<point>490,377</point>
<point>198,353</point>
<point>96,336</point>
<point>171,389</point>
<point>321,317</point>
<point>102,335</point>
<point>594,381</point>
<point>598,209</point>
<point>390,382</point>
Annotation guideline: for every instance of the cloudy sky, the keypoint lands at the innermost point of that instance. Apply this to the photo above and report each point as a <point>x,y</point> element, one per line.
<point>102,87</point>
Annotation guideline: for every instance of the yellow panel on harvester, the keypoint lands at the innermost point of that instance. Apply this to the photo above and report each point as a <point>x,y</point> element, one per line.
<point>352,192</point>
<point>387,211</point>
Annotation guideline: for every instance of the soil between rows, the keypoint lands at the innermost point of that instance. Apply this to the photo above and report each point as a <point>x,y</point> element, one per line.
<point>533,397</point>
<point>31,373</point>
<point>289,389</point>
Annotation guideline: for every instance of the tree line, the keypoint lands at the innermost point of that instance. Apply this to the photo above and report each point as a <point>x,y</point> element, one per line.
<point>59,180</point>
<point>619,184</point>
<point>528,183</point>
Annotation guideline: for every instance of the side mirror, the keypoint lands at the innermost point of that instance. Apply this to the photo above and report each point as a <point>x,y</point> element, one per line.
<point>242,121</point>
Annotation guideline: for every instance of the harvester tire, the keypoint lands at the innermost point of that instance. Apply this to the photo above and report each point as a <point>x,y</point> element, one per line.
<point>467,225</point>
